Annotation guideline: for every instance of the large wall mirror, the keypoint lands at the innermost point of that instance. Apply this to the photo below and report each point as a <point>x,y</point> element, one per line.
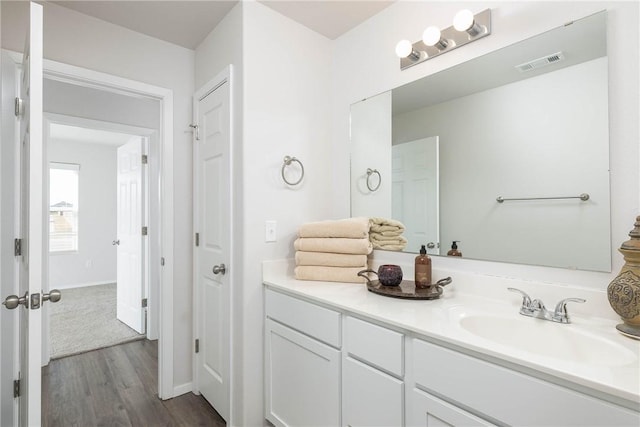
<point>529,121</point>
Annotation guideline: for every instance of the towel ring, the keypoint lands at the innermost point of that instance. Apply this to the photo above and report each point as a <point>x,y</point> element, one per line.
<point>371,172</point>
<point>287,162</point>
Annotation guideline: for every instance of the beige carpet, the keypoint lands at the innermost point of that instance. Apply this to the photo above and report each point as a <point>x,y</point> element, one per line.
<point>85,319</point>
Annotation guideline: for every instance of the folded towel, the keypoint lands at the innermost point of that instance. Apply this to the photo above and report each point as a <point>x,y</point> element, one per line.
<point>329,274</point>
<point>390,233</point>
<point>336,245</point>
<point>388,243</point>
<point>374,237</point>
<point>385,224</point>
<point>390,247</point>
<point>330,260</point>
<point>355,228</point>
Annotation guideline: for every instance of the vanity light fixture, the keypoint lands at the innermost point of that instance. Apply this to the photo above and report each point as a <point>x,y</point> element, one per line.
<point>466,28</point>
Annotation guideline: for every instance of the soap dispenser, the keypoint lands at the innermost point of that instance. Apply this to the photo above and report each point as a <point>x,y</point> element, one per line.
<point>454,249</point>
<point>423,269</point>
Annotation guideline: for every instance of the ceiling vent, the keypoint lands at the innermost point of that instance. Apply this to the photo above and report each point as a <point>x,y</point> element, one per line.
<point>541,62</point>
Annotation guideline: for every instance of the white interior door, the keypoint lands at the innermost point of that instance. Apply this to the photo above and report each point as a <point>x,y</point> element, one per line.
<point>129,241</point>
<point>212,218</point>
<point>9,226</point>
<point>415,192</point>
<point>32,221</point>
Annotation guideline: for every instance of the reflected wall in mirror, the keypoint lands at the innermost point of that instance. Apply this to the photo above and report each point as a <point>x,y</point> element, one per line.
<point>526,121</point>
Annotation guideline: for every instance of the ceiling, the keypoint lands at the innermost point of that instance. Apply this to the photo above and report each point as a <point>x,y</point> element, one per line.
<point>86,135</point>
<point>186,23</point>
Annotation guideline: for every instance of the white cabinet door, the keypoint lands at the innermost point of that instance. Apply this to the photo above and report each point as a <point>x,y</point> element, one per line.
<point>302,379</point>
<point>370,397</point>
<point>429,411</point>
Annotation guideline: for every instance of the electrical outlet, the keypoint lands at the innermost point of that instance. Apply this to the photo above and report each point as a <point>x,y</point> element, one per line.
<point>270,231</point>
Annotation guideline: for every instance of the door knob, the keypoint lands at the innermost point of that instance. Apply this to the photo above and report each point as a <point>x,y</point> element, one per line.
<point>219,269</point>
<point>53,296</point>
<point>431,245</point>
<point>115,242</point>
<point>13,301</point>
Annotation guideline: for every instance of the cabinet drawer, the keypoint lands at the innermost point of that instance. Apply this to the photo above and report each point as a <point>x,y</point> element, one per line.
<point>318,322</point>
<point>428,410</point>
<point>376,345</point>
<point>508,396</point>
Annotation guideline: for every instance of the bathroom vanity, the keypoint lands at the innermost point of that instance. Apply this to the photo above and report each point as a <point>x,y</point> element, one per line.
<point>336,354</point>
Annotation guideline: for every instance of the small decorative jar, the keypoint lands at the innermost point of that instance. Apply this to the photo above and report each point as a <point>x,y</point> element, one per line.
<point>624,291</point>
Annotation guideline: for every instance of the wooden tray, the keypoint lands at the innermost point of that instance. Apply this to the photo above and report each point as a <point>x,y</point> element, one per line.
<point>407,289</point>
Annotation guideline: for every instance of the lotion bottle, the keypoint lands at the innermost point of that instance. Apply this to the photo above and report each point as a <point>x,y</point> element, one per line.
<point>423,269</point>
<point>454,249</point>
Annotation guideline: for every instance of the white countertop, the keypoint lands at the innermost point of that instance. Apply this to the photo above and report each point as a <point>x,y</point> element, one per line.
<point>549,351</point>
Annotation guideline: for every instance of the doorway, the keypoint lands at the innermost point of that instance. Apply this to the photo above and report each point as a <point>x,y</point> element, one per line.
<point>161,262</point>
<point>97,250</point>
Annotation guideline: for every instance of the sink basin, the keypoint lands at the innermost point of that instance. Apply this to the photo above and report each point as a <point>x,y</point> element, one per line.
<point>548,339</point>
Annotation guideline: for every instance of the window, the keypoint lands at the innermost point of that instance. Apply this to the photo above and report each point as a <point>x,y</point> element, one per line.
<point>63,208</point>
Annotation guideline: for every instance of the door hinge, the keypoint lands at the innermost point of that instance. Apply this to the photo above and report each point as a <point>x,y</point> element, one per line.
<point>18,107</point>
<point>144,302</point>
<point>145,159</point>
<point>16,388</point>
<point>196,129</point>
<point>197,239</point>
<point>162,261</point>
<point>145,231</point>
<point>17,247</point>
<point>197,346</point>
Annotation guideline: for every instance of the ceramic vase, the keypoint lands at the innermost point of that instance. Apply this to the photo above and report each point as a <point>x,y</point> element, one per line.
<point>624,291</point>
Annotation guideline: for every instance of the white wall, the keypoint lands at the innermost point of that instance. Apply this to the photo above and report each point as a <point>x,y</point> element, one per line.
<point>287,77</point>
<point>364,65</point>
<point>77,39</point>
<point>285,71</point>
<point>563,151</point>
<point>221,47</point>
<point>95,260</point>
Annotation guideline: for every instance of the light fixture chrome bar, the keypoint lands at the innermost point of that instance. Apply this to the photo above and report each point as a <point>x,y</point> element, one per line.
<point>453,38</point>
<point>584,197</point>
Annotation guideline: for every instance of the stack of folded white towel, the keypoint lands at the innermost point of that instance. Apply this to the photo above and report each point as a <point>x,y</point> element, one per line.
<point>387,234</point>
<point>333,251</point>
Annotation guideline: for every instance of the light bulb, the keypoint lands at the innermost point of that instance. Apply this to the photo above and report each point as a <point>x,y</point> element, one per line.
<point>404,48</point>
<point>431,36</point>
<point>463,20</point>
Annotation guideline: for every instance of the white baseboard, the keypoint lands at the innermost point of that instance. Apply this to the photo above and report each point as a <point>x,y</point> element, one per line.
<point>182,389</point>
<point>80,285</point>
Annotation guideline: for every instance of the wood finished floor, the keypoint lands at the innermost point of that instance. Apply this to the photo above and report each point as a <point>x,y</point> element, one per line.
<point>116,386</point>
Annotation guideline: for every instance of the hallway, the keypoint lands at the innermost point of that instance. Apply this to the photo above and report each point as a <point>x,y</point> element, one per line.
<point>116,386</point>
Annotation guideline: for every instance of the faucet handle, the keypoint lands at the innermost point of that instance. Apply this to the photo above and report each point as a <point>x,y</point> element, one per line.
<point>560,314</point>
<point>526,299</point>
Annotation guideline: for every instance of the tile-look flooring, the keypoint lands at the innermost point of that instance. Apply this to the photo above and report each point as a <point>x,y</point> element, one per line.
<point>116,386</point>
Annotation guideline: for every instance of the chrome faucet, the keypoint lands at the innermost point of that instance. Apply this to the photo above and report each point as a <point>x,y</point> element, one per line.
<point>536,308</point>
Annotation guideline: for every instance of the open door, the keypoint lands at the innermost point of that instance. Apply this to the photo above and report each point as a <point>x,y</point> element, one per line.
<point>32,220</point>
<point>129,242</point>
<point>30,246</point>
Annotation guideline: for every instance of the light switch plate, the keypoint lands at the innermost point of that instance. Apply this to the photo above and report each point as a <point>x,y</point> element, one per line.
<point>270,231</point>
